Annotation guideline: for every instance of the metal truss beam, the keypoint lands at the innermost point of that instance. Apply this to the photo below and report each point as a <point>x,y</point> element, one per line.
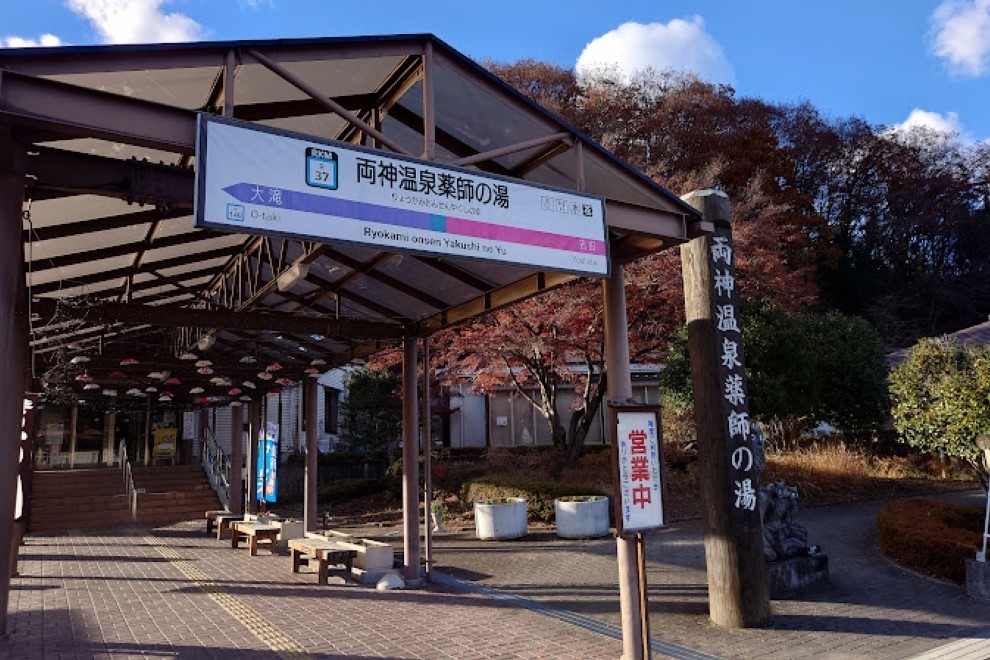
<point>80,112</point>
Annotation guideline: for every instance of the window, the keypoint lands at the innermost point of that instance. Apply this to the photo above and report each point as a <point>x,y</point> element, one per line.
<point>331,401</point>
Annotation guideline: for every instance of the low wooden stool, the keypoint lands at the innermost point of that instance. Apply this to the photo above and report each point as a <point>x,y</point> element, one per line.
<point>223,521</point>
<point>325,553</point>
<point>211,518</point>
<point>254,533</point>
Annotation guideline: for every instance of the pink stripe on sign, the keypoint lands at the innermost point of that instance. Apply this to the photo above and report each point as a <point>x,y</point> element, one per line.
<point>492,232</point>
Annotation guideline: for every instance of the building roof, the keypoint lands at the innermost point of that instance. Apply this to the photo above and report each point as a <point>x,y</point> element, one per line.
<point>116,270</point>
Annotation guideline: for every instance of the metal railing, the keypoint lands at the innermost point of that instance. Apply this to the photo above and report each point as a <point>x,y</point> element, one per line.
<point>217,466</point>
<point>132,492</point>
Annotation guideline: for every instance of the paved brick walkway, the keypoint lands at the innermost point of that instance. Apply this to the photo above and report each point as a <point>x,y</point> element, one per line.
<point>173,592</point>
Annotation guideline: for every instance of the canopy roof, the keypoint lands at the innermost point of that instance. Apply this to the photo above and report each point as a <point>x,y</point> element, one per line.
<point>117,272</point>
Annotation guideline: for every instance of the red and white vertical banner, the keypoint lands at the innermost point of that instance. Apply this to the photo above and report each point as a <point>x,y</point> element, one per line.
<point>636,457</point>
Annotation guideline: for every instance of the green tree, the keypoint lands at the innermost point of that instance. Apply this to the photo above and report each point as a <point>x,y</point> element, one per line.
<point>372,412</point>
<point>941,400</point>
<point>801,368</point>
<point>852,373</point>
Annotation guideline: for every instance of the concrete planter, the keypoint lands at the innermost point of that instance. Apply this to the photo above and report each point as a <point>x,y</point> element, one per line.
<point>581,517</point>
<point>978,580</point>
<point>371,555</point>
<point>500,519</point>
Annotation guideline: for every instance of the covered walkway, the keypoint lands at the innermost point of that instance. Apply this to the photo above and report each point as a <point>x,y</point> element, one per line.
<point>173,592</point>
<point>113,291</point>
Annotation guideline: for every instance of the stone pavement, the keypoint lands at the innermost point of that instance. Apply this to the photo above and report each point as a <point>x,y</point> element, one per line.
<point>174,592</point>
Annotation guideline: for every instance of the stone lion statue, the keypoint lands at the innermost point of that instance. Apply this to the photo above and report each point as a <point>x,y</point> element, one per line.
<point>782,537</point>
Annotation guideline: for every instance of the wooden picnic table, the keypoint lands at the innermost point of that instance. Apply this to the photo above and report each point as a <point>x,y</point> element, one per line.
<point>254,533</point>
<point>326,553</point>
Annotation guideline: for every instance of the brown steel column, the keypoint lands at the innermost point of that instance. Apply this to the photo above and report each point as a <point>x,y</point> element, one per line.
<point>410,462</point>
<point>13,351</point>
<point>236,458</point>
<point>311,486</point>
<point>620,390</point>
<point>738,587</point>
<point>427,462</point>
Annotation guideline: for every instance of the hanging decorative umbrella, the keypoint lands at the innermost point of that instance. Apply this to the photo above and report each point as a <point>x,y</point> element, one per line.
<point>109,392</point>
<point>84,377</point>
<point>118,374</point>
<point>151,388</point>
<point>245,398</point>
<point>264,375</point>
<point>234,391</point>
<point>128,362</point>
<point>206,371</point>
<point>311,371</point>
<point>318,362</point>
<point>79,359</point>
<point>204,363</point>
<point>248,359</point>
<point>249,384</point>
<point>91,386</point>
<point>196,390</point>
<point>274,366</point>
<point>173,381</point>
<point>188,356</point>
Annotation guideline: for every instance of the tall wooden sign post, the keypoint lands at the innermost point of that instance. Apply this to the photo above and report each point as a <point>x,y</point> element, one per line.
<point>738,586</point>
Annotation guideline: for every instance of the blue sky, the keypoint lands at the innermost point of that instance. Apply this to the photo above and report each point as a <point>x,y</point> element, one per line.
<point>886,61</point>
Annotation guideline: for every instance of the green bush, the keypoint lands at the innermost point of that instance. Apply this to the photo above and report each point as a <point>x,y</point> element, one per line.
<point>349,489</point>
<point>539,494</point>
<point>933,538</point>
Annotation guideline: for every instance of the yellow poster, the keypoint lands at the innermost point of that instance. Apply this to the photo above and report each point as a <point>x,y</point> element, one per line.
<point>165,443</point>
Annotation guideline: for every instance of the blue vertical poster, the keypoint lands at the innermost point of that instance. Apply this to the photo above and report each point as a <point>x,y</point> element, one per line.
<point>268,464</point>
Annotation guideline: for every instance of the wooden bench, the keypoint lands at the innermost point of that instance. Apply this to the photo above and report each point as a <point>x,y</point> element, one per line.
<point>326,553</point>
<point>254,533</point>
<point>222,521</point>
<point>211,518</point>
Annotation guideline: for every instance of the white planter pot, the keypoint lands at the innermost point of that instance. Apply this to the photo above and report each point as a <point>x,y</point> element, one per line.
<point>582,518</point>
<point>500,519</point>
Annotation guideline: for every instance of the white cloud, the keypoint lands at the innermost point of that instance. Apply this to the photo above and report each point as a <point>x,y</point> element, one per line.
<point>947,123</point>
<point>21,42</point>
<point>961,36</point>
<point>136,21</point>
<point>680,45</point>
<point>922,123</point>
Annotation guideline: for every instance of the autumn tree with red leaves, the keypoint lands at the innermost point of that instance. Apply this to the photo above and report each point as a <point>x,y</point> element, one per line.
<point>546,343</point>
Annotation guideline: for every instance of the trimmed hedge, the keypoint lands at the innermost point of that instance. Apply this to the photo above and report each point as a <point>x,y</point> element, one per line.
<point>539,494</point>
<point>934,538</point>
<point>348,489</point>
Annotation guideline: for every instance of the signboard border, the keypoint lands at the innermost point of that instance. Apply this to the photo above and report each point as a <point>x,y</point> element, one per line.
<point>203,120</point>
<point>614,410</point>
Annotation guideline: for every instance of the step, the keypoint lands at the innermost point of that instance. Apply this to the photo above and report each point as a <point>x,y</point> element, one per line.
<point>106,521</point>
<point>95,498</point>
